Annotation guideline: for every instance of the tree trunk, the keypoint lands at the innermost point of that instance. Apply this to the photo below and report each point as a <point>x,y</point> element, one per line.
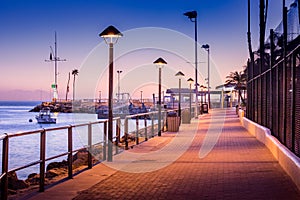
<point>74,89</point>
<point>239,96</point>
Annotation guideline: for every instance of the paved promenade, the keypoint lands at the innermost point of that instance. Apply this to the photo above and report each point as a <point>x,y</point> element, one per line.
<point>211,158</point>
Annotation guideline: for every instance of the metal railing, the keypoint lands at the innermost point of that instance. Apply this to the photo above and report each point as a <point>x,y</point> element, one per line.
<point>42,160</point>
<point>148,131</point>
<point>273,94</point>
<point>145,117</point>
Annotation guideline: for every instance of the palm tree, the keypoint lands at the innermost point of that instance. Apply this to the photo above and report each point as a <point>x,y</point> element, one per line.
<point>74,73</point>
<point>238,80</point>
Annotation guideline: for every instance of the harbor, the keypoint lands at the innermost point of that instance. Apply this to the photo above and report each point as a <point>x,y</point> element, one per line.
<point>150,100</point>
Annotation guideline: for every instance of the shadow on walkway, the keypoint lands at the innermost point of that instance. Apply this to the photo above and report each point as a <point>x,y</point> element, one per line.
<point>214,157</point>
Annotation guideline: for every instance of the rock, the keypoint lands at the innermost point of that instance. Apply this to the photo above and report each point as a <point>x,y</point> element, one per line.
<point>31,175</point>
<point>55,172</point>
<point>80,158</point>
<point>33,179</point>
<point>14,183</point>
<point>54,165</point>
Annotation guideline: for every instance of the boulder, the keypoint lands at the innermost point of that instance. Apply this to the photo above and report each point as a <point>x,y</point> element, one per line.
<point>80,158</point>
<point>14,183</point>
<point>55,172</point>
<point>54,165</point>
<point>33,179</point>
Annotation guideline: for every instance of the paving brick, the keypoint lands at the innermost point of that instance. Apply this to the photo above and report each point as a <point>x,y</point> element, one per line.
<point>237,167</point>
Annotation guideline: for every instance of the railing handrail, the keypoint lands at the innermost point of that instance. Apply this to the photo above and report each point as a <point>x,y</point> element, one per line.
<point>5,158</point>
<point>5,138</point>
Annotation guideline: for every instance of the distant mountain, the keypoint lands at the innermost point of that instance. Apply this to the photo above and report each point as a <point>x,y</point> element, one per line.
<point>27,95</point>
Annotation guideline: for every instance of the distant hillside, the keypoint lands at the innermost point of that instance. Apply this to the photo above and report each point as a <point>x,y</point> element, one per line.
<point>30,95</point>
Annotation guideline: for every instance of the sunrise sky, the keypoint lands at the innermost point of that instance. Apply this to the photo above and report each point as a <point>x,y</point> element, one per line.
<point>151,29</point>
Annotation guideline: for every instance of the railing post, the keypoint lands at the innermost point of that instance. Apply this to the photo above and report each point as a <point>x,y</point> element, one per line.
<point>137,130</point>
<point>4,180</point>
<point>42,159</point>
<point>104,139</point>
<point>126,133</point>
<point>118,133</point>
<point>90,148</point>
<point>70,152</point>
<point>152,124</point>
<point>145,123</point>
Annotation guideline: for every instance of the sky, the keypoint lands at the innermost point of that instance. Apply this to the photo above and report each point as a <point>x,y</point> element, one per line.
<point>150,28</point>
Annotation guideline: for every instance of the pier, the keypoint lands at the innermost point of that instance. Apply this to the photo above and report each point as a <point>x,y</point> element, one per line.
<point>198,137</point>
<point>214,157</point>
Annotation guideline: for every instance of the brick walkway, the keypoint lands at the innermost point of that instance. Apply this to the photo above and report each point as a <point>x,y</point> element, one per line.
<point>225,163</point>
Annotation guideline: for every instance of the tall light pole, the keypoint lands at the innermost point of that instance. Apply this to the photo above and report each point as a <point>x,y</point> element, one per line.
<point>141,96</point>
<point>111,36</point>
<point>205,89</point>
<point>201,87</point>
<point>160,63</point>
<point>190,81</point>
<point>201,110</point>
<point>99,96</point>
<point>179,75</point>
<point>192,15</point>
<point>206,47</point>
<point>119,87</point>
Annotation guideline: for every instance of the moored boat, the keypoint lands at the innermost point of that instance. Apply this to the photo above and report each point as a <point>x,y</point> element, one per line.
<point>45,117</point>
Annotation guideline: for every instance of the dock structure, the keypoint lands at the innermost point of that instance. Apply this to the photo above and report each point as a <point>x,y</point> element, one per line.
<point>214,157</point>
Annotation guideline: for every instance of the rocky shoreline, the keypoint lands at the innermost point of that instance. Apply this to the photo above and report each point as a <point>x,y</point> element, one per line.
<point>68,107</point>
<point>56,171</point>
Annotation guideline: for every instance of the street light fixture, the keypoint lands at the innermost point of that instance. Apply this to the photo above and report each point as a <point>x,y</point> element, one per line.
<point>119,72</point>
<point>190,81</point>
<point>206,47</point>
<point>192,15</point>
<point>179,75</point>
<point>110,36</point>
<point>160,63</point>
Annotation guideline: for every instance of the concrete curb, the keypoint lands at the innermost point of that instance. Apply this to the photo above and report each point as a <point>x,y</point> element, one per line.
<point>288,161</point>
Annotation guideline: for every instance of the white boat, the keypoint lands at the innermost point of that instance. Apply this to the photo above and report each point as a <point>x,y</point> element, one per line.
<point>45,117</point>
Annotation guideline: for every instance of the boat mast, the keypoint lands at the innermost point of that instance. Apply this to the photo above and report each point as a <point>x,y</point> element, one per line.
<point>55,59</point>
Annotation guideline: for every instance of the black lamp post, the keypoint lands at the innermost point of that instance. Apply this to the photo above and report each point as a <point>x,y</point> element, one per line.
<point>190,81</point>
<point>99,96</point>
<point>160,63</point>
<point>206,47</point>
<point>192,15</point>
<point>111,36</point>
<point>179,75</point>
<point>141,96</point>
<point>201,87</point>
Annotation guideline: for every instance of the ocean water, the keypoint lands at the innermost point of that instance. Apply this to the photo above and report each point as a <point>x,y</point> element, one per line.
<point>14,118</point>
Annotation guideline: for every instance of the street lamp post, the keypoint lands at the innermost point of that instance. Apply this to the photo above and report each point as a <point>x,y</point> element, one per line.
<point>111,36</point>
<point>119,72</point>
<point>205,91</point>
<point>141,96</point>
<point>190,81</point>
<point>160,63</point>
<point>201,87</point>
<point>179,75</point>
<point>99,96</point>
<point>192,15</point>
<point>206,47</point>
